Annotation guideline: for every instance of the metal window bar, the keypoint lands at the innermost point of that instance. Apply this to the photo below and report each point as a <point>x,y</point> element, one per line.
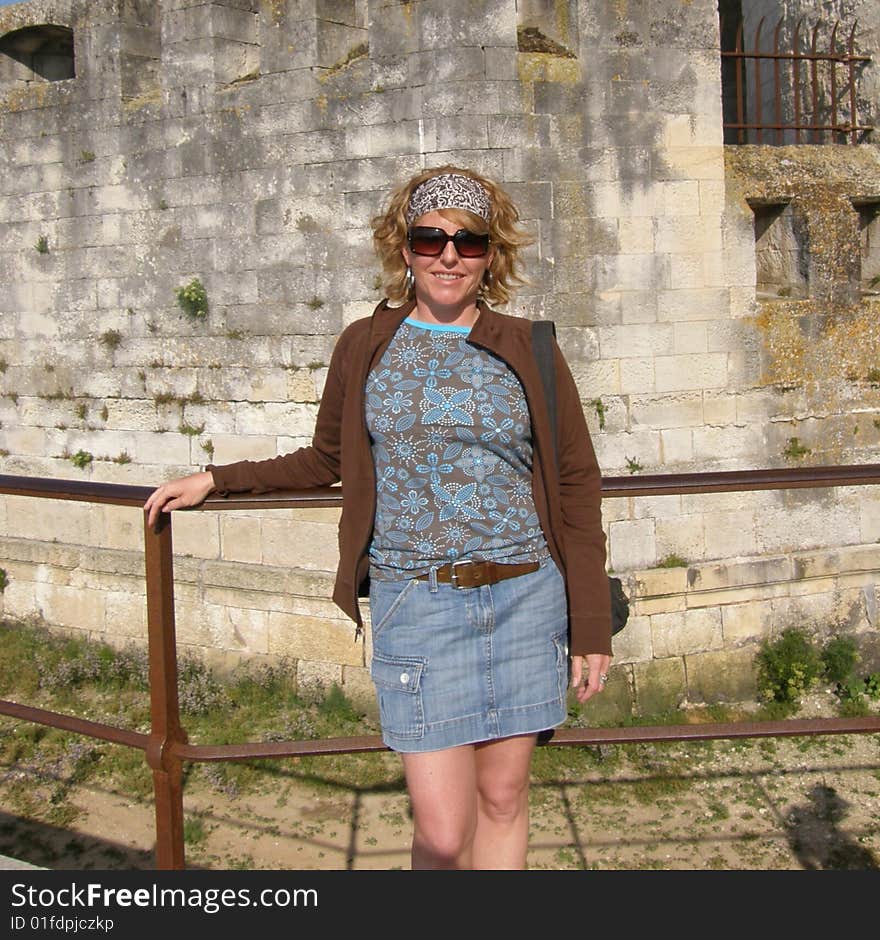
<point>166,747</point>
<point>844,129</point>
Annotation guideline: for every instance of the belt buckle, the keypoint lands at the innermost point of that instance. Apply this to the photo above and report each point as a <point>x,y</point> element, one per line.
<point>453,577</point>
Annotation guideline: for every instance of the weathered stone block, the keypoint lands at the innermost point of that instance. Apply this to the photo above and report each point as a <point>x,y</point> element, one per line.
<point>661,582</point>
<point>746,622</point>
<point>309,545</point>
<point>660,685</point>
<point>632,544</point>
<point>728,534</point>
<point>637,375</point>
<point>682,373</point>
<point>667,411</point>
<point>240,538</point>
<point>691,631</point>
<point>689,338</point>
<point>677,446</point>
<point>635,341</point>
<point>633,643</point>
<point>722,676</point>
<point>71,607</point>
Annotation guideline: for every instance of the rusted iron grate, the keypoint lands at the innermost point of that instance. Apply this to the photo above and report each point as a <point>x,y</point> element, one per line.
<point>784,89</point>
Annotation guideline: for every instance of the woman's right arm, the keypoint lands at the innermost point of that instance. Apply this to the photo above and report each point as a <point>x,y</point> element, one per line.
<point>179,494</point>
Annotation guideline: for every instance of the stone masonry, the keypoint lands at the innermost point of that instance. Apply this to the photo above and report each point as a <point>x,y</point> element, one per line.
<point>718,304</point>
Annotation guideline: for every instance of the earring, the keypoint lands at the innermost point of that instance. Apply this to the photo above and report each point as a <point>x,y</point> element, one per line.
<point>410,279</point>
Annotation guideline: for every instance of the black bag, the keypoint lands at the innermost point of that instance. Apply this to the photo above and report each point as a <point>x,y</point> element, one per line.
<point>542,333</point>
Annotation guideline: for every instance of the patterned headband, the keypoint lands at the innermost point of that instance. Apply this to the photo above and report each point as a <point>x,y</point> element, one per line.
<point>449,191</point>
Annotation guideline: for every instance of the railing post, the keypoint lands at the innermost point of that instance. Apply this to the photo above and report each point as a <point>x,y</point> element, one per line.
<point>165,729</point>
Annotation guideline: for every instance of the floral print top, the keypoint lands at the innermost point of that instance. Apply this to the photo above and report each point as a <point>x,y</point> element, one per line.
<point>451,441</point>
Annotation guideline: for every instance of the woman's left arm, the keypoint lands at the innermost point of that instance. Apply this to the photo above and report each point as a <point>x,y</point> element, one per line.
<point>580,487</point>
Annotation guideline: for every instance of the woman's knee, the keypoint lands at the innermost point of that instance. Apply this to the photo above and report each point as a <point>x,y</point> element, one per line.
<point>444,841</point>
<point>504,799</point>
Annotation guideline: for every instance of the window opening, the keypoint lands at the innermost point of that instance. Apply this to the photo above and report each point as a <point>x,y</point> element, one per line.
<point>38,53</point>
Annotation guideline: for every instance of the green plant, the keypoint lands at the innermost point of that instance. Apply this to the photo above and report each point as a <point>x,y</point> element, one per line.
<point>192,299</point>
<point>633,465</point>
<point>315,303</point>
<point>336,706</point>
<point>111,339</point>
<point>208,448</point>
<point>235,334</point>
<point>839,657</point>
<point>105,413</point>
<point>122,457</point>
<point>4,580</point>
<point>81,411</point>
<point>600,412</point>
<point>194,830</point>
<point>81,459</point>
<point>163,204</point>
<point>164,398</point>
<point>787,667</point>
<point>794,450</point>
<point>191,430</point>
<point>4,365</point>
<point>872,685</point>
<point>42,245</point>
<point>672,561</point>
<point>873,376</point>
<point>86,156</point>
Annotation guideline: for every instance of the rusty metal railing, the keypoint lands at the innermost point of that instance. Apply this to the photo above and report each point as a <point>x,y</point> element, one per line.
<point>166,746</point>
<point>823,104</point>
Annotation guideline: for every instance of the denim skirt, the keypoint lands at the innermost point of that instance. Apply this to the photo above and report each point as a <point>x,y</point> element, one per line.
<point>456,666</point>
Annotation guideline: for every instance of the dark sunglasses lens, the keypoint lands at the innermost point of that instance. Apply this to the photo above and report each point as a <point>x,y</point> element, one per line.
<point>427,241</point>
<point>469,245</point>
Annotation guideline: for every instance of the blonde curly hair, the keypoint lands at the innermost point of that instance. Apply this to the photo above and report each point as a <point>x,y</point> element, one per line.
<point>506,237</point>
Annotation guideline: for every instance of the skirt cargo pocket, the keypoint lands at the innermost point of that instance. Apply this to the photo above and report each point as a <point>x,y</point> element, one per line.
<point>398,681</point>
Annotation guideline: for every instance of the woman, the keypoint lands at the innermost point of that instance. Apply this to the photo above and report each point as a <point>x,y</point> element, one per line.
<point>484,560</point>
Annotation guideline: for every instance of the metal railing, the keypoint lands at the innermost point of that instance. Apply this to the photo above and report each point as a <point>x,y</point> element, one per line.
<point>801,98</point>
<point>166,746</point>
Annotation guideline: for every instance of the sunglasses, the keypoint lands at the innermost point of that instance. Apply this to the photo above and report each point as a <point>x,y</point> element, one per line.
<point>429,241</point>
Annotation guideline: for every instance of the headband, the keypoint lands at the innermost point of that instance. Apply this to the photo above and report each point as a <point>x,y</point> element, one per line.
<point>448,191</point>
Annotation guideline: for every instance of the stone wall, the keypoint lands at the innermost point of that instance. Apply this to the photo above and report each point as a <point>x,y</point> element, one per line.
<point>247,144</point>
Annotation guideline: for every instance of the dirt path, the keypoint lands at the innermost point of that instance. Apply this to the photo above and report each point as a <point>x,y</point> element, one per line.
<point>773,804</point>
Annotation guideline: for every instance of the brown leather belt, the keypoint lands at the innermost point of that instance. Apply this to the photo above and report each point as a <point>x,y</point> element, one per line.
<point>471,574</point>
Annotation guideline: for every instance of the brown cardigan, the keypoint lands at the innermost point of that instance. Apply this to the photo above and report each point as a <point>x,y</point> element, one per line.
<point>570,514</point>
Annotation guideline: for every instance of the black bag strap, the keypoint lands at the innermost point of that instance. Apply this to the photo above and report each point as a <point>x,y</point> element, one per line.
<point>543,332</point>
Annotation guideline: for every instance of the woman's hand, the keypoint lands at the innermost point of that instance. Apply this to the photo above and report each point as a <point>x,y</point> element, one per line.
<point>179,494</point>
<point>590,680</point>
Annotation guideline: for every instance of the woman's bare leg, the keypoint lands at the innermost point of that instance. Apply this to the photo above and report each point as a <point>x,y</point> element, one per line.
<point>470,804</point>
<point>502,836</point>
<point>442,790</point>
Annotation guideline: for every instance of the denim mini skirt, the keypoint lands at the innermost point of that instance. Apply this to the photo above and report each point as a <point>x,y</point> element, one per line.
<point>456,666</point>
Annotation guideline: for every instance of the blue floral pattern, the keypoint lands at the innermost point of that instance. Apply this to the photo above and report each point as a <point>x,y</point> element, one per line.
<point>451,441</point>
